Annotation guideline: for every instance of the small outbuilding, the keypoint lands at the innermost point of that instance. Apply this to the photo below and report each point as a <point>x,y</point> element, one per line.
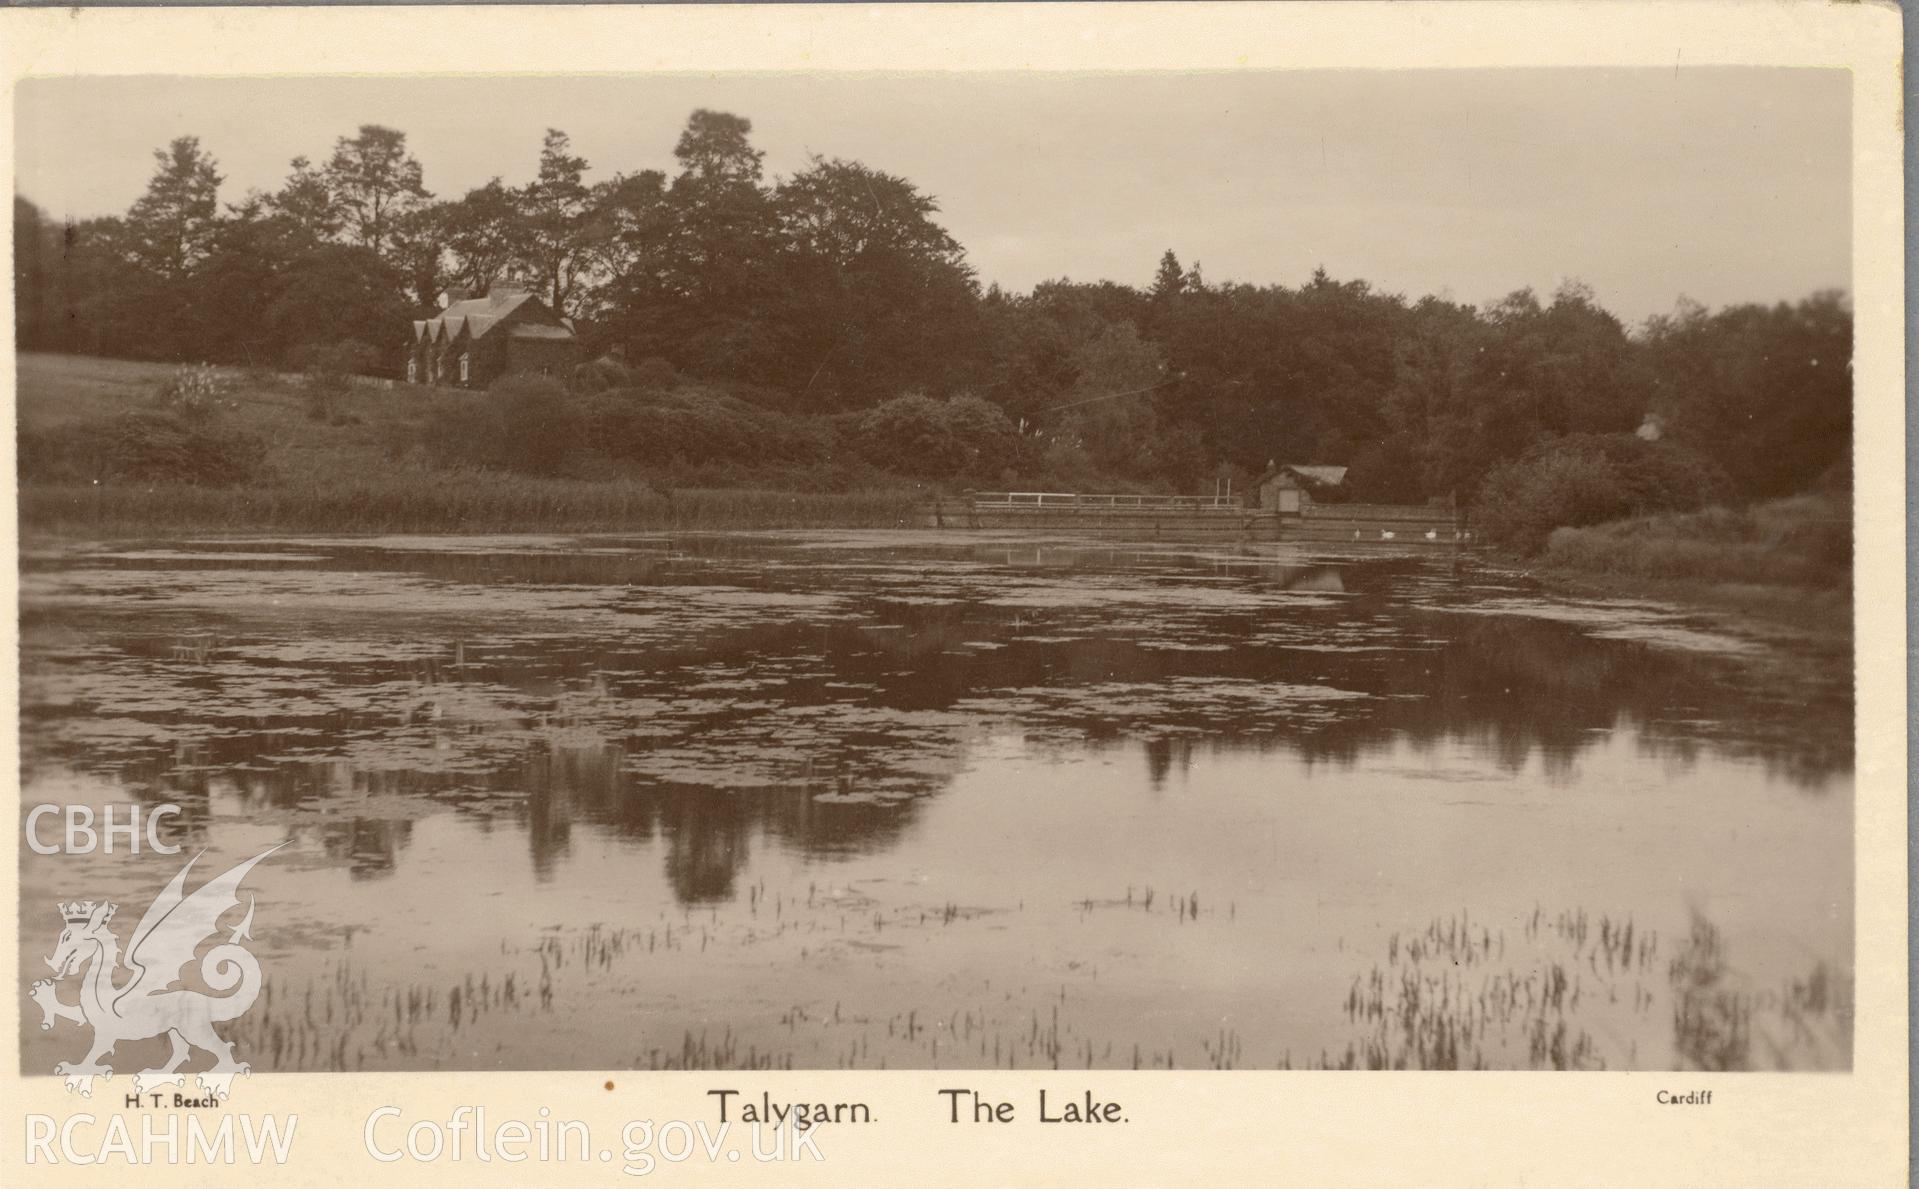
<point>1287,488</point>
<point>476,340</point>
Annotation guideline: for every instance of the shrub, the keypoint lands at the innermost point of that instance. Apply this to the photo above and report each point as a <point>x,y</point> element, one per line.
<point>986,436</point>
<point>1805,541</point>
<point>541,428</point>
<point>700,426</point>
<point>73,453</point>
<point>917,435</point>
<point>329,370</point>
<point>910,434</point>
<point>196,392</point>
<point>170,448</point>
<point>1588,478</point>
<point>654,373</point>
<point>526,424</point>
<point>600,375</point>
<point>335,364</point>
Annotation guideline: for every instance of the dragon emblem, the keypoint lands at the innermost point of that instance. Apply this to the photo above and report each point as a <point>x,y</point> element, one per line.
<point>150,1001</point>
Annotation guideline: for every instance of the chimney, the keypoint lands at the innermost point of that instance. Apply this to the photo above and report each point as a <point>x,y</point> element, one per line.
<point>455,293</point>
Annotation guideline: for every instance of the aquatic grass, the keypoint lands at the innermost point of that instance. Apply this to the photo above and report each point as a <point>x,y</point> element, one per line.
<point>1722,1021</point>
<point>1447,997</point>
<point>339,1019</point>
<point>196,650</point>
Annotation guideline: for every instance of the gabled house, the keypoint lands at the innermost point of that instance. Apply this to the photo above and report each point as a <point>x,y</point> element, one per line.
<point>476,340</point>
<point>1287,487</point>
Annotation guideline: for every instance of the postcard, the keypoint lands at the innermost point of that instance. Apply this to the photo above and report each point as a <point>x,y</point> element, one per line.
<point>955,594</point>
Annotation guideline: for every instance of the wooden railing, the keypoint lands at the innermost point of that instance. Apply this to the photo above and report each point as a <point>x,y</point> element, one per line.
<point>1065,499</point>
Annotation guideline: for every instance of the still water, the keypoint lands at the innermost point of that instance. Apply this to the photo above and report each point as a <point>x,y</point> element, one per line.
<point>822,800</point>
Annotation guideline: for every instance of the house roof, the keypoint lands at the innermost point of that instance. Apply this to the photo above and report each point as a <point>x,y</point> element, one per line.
<point>537,330</point>
<point>1330,476</point>
<point>1324,475</point>
<point>478,315</point>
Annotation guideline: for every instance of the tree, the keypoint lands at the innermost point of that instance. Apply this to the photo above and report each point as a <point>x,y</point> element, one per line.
<point>723,228</point>
<point>36,321</point>
<point>139,303</point>
<point>1109,413</point>
<point>374,181</point>
<point>1429,446</point>
<point>418,250</point>
<point>1453,386</point>
<point>879,296</point>
<point>843,213</point>
<point>170,227</point>
<point>628,221</point>
<point>838,289</point>
<point>251,259</point>
<point>87,284</point>
<point>484,235</point>
<point>707,295</point>
<point>1594,375</point>
<point>554,214</point>
<point>1267,373</point>
<point>333,293</point>
<point>1029,354</point>
<point>1764,391</point>
<point>1170,281</point>
<point>307,201</point>
<point>1037,344</point>
<point>714,151</point>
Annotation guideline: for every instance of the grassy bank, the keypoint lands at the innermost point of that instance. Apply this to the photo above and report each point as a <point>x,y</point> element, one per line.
<point>1805,541</point>
<point>1786,564</point>
<point>445,503</point>
<point>358,469</point>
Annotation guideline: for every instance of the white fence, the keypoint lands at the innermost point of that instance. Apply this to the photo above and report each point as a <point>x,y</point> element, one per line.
<point>1064,499</point>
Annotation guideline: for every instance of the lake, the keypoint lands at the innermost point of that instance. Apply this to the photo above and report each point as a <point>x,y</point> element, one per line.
<point>889,799</point>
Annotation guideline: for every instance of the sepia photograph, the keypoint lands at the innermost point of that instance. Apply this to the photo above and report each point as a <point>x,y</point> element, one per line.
<point>762,571</point>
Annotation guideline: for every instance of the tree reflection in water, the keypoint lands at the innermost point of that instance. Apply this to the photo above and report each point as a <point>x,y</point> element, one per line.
<point>824,729</point>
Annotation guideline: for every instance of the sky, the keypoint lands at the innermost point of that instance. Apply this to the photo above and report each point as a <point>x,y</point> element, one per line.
<point>1723,185</point>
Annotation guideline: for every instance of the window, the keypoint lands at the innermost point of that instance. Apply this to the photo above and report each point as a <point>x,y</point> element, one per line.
<point>463,369</point>
<point>413,371</point>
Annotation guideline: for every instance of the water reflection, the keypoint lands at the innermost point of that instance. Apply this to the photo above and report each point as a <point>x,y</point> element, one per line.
<point>787,802</point>
<point>811,699</point>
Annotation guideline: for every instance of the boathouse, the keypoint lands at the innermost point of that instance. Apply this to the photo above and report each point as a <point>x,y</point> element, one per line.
<point>1288,488</point>
<point>476,340</point>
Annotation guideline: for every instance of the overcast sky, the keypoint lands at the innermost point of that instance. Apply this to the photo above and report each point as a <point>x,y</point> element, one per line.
<point>1724,185</point>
